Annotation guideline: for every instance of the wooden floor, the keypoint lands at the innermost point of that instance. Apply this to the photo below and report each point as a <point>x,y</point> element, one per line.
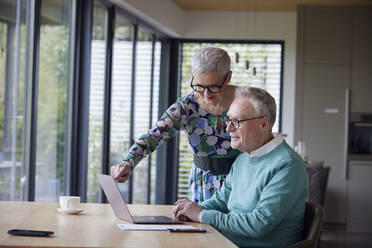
<point>342,236</point>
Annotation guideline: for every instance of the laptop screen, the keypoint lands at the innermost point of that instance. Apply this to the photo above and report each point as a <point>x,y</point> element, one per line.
<point>115,198</point>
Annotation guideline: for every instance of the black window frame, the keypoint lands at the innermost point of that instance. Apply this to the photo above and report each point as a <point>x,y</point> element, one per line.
<point>77,104</point>
<point>79,173</point>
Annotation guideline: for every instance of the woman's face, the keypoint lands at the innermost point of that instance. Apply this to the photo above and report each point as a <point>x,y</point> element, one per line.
<point>211,79</point>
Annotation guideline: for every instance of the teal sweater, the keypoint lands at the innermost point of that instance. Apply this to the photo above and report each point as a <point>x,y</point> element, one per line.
<point>262,201</point>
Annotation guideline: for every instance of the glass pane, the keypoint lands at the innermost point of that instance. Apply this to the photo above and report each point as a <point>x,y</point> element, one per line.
<point>121,93</point>
<point>96,101</point>
<point>263,70</point>
<point>12,63</point>
<point>142,111</point>
<point>51,101</point>
<point>155,113</point>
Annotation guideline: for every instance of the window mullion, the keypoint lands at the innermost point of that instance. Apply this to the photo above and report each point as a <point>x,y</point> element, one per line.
<point>134,58</point>
<point>30,108</point>
<point>107,95</point>
<point>71,90</point>
<point>79,160</point>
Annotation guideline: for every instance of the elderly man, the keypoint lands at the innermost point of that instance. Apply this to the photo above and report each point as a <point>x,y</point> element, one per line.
<point>262,201</point>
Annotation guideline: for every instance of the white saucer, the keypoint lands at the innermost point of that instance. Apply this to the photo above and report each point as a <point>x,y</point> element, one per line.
<point>67,211</point>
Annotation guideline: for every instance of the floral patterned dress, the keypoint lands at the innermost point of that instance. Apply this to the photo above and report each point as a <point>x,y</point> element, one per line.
<point>207,137</point>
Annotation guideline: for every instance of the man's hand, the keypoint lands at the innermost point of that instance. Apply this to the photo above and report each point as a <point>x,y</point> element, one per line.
<point>187,209</point>
<point>121,172</point>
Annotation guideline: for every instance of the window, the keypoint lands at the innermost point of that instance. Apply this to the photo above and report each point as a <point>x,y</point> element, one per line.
<point>51,100</point>
<point>259,65</point>
<point>142,106</point>
<point>49,138</point>
<point>55,23</point>
<point>12,64</point>
<point>121,93</point>
<point>155,117</point>
<point>96,99</point>
<point>145,112</point>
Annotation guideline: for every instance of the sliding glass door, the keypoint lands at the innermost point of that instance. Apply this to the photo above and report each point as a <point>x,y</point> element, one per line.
<point>79,81</point>
<point>53,75</point>
<point>121,97</point>
<point>96,99</point>
<point>133,86</point>
<point>12,64</point>
<point>50,78</point>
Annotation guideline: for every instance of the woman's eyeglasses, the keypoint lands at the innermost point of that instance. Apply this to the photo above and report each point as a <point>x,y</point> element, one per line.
<point>211,88</point>
<point>235,123</point>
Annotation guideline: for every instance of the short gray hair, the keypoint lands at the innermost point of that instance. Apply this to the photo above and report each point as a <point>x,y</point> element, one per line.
<point>210,59</point>
<point>261,100</point>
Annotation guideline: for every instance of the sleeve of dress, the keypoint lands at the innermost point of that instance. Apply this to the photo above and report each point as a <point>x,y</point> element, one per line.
<point>277,198</point>
<point>165,128</point>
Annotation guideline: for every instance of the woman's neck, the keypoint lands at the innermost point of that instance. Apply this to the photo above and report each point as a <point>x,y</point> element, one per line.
<point>222,105</point>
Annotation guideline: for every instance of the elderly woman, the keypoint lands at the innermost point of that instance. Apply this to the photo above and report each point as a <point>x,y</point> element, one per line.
<point>262,202</point>
<point>201,115</point>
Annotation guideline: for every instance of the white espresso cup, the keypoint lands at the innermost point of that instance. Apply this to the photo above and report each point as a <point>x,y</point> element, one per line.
<point>69,202</point>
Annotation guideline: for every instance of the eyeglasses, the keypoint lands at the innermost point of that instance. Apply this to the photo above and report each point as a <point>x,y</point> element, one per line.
<point>235,123</point>
<point>211,88</point>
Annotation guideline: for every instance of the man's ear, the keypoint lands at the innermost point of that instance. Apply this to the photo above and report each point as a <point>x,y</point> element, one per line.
<point>228,79</point>
<point>265,123</point>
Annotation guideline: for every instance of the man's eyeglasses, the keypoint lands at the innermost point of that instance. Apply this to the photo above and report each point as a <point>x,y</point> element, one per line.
<point>211,88</point>
<point>235,123</point>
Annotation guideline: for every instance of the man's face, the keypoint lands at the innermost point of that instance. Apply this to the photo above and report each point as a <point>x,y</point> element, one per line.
<point>251,133</point>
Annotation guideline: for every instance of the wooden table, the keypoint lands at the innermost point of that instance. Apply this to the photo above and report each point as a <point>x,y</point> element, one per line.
<point>96,226</point>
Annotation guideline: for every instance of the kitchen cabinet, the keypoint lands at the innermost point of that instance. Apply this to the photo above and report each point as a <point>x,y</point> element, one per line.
<point>324,88</point>
<point>327,35</point>
<point>361,65</point>
<point>333,77</point>
<point>323,76</point>
<point>359,191</point>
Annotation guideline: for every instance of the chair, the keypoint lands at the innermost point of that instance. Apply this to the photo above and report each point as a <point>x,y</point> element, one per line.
<point>323,185</point>
<point>317,184</point>
<point>317,178</point>
<point>314,218</point>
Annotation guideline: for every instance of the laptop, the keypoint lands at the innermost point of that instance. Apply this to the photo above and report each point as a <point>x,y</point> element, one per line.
<point>120,208</point>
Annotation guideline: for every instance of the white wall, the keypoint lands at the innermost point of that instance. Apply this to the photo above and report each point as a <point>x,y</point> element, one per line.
<point>174,21</point>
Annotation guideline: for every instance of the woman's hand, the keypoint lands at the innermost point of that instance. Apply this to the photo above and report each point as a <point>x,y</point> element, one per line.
<point>121,172</point>
<point>187,209</point>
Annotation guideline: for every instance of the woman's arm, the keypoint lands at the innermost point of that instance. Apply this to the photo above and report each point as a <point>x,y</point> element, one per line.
<point>165,128</point>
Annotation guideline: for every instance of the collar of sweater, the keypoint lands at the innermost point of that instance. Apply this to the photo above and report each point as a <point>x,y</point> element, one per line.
<point>268,147</point>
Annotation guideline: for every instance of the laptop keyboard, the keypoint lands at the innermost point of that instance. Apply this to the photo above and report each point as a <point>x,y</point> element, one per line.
<point>154,219</point>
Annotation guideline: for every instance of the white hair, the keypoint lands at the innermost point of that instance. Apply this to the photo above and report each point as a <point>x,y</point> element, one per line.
<point>210,59</point>
<point>261,100</point>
